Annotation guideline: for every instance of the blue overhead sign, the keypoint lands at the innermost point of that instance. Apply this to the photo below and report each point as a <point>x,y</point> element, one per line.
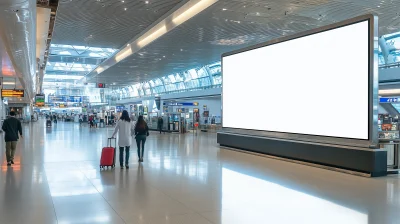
<point>182,104</point>
<point>120,108</point>
<point>75,99</point>
<point>389,100</point>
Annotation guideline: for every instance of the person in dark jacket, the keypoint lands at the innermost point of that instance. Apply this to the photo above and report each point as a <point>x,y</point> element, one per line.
<point>11,126</point>
<point>160,124</point>
<point>141,133</point>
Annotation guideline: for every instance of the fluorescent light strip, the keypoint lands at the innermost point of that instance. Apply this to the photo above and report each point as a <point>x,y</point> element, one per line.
<point>63,77</point>
<point>127,51</point>
<point>389,91</point>
<point>192,11</point>
<point>161,28</point>
<point>99,70</point>
<point>8,83</point>
<point>153,36</point>
<point>181,18</point>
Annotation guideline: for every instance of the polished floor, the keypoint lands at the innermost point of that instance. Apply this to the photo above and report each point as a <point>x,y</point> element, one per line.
<point>184,179</point>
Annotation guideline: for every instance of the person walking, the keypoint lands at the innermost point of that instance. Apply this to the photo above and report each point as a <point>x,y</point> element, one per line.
<point>11,126</point>
<point>160,124</point>
<point>125,130</point>
<point>141,133</point>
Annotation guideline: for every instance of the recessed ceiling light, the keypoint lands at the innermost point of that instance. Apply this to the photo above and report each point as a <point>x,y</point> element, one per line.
<point>122,1</point>
<point>224,9</point>
<point>181,49</point>
<point>147,2</point>
<point>164,56</point>
<point>125,9</point>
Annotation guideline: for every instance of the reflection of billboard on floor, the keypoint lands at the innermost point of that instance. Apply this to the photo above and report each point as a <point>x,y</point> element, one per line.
<point>306,85</point>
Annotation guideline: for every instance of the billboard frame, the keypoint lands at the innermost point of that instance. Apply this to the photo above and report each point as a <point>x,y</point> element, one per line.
<point>372,142</point>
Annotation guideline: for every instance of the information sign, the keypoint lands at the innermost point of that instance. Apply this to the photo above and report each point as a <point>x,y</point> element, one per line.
<point>12,93</point>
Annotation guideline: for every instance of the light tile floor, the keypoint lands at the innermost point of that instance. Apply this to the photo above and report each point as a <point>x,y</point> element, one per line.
<point>185,179</point>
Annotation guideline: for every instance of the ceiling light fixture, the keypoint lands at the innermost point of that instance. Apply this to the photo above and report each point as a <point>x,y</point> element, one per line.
<point>127,51</point>
<point>147,2</point>
<point>64,77</point>
<point>99,70</point>
<point>192,11</point>
<point>389,91</point>
<point>153,36</point>
<point>8,83</point>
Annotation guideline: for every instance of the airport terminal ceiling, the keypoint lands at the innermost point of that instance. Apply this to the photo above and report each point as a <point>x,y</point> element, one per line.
<point>224,26</point>
<point>229,25</point>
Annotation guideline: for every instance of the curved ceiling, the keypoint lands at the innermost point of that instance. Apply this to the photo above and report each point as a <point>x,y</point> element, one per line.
<point>225,26</point>
<point>18,37</point>
<point>233,24</point>
<point>106,23</point>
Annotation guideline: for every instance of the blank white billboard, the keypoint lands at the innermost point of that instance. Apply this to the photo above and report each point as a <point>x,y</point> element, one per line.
<point>313,85</point>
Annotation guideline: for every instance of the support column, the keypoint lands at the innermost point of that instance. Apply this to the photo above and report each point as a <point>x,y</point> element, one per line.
<point>384,49</point>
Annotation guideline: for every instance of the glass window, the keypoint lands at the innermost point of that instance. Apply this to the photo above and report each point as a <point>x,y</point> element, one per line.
<point>204,82</point>
<point>158,82</point>
<point>381,60</point>
<point>172,78</point>
<point>146,88</point>
<point>217,79</point>
<point>180,86</point>
<point>202,73</point>
<point>166,80</point>
<point>215,69</point>
<point>191,84</point>
<point>170,87</point>
<point>193,73</point>
<point>159,89</point>
<point>187,76</point>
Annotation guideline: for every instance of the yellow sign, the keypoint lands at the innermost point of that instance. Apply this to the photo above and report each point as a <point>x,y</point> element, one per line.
<point>12,93</point>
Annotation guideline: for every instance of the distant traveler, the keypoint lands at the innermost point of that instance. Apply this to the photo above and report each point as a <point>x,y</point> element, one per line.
<point>11,127</point>
<point>112,119</point>
<point>141,133</point>
<point>91,123</point>
<point>160,124</point>
<point>125,130</point>
<point>55,118</point>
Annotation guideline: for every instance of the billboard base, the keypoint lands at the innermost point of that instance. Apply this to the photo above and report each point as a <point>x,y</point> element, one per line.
<point>372,162</point>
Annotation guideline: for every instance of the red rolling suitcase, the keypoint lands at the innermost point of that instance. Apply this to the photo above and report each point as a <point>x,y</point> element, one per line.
<point>108,155</point>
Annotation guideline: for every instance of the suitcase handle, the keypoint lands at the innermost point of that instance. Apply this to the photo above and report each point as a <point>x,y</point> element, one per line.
<point>110,142</point>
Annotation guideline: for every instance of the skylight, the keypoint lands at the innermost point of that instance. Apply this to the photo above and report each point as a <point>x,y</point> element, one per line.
<point>75,60</point>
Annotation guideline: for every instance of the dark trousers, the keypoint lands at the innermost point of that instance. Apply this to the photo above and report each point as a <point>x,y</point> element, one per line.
<point>140,140</point>
<point>121,155</point>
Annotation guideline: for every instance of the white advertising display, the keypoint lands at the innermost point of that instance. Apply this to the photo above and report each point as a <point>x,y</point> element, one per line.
<point>313,85</point>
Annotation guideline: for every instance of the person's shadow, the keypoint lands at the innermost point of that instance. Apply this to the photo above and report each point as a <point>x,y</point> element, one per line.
<point>11,186</point>
<point>140,174</point>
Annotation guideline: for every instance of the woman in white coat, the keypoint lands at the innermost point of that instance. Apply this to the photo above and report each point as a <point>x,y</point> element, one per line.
<point>125,129</point>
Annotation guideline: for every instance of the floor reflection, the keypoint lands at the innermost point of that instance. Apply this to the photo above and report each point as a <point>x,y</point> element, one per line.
<point>247,199</point>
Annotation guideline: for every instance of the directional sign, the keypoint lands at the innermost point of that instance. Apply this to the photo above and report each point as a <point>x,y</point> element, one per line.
<point>12,93</point>
<point>389,100</point>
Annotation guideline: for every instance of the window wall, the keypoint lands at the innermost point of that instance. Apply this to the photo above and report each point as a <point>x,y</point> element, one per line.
<point>208,76</point>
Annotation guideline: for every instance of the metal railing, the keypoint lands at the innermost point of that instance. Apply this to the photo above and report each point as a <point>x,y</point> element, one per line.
<point>391,65</point>
<point>171,92</point>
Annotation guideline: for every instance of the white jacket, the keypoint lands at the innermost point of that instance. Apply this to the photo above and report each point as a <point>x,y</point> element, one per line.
<point>125,131</point>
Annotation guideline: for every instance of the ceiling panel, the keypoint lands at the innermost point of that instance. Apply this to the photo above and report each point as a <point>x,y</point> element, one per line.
<point>106,23</point>
<point>234,24</point>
